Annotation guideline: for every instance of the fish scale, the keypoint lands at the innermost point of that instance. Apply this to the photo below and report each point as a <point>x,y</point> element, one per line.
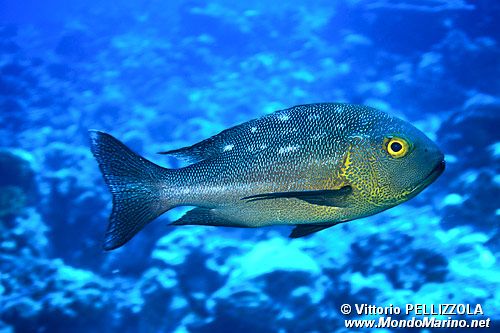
<point>312,166</point>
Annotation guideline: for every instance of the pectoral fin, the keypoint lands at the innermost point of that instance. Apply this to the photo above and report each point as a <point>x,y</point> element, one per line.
<point>302,230</point>
<point>334,198</point>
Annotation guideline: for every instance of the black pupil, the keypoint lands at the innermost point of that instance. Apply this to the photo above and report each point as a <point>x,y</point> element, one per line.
<point>396,146</point>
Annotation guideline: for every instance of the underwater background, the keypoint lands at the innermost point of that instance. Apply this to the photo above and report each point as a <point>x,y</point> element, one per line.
<point>161,75</point>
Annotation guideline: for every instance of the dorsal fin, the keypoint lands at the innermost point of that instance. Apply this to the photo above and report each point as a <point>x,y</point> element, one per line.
<point>200,151</point>
<point>255,136</point>
<point>208,148</point>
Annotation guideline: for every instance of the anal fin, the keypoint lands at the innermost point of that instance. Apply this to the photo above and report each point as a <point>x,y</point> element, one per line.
<point>200,216</point>
<point>302,230</point>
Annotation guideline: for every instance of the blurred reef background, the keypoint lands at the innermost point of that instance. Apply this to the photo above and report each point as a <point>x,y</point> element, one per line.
<point>164,74</point>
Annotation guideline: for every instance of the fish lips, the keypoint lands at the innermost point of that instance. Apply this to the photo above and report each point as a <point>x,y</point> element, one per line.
<point>431,177</point>
<point>436,172</point>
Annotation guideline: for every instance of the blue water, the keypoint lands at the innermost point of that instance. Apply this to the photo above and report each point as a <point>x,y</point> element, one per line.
<point>160,75</point>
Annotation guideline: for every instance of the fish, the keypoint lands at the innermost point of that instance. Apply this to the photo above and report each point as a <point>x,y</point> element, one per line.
<point>310,166</point>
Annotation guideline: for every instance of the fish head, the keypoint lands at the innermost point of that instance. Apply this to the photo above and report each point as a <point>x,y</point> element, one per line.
<point>389,162</point>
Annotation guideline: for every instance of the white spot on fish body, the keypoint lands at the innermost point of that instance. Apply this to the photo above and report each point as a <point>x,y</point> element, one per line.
<point>228,148</point>
<point>318,136</point>
<point>252,148</point>
<point>283,117</point>
<point>359,136</point>
<point>253,129</point>
<point>185,190</point>
<point>288,149</point>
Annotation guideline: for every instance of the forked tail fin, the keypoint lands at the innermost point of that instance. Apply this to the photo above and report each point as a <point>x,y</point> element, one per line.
<point>137,185</point>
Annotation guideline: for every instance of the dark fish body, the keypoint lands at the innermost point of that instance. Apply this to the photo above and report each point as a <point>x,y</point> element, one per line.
<point>312,166</point>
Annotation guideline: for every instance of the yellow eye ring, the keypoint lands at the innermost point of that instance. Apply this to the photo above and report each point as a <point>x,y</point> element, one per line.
<point>397,147</point>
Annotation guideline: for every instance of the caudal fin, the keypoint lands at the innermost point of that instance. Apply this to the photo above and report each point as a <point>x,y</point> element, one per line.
<point>137,186</point>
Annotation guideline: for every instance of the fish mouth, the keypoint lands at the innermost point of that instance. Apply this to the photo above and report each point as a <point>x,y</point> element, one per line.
<point>431,177</point>
<point>436,172</point>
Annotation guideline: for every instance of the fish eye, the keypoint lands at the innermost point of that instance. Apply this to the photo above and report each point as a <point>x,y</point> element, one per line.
<point>397,147</point>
